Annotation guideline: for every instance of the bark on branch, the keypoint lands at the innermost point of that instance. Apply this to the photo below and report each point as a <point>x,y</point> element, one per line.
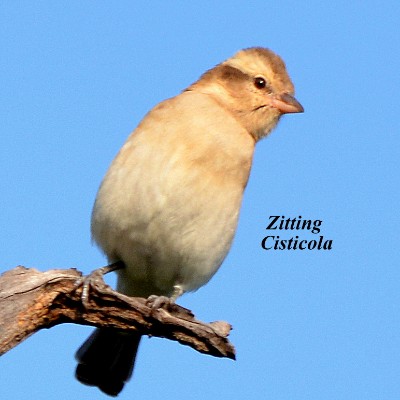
<point>31,300</point>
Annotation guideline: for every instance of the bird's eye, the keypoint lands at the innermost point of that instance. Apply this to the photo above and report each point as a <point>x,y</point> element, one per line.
<point>260,82</point>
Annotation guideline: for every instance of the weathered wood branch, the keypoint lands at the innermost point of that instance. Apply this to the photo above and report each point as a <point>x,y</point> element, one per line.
<point>31,300</point>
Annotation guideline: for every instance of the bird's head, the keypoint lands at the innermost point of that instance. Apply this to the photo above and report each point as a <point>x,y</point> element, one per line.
<point>255,86</point>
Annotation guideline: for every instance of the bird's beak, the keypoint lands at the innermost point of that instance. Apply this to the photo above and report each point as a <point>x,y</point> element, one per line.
<point>286,104</point>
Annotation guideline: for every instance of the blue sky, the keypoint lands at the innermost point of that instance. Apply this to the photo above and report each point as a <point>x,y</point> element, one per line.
<point>77,77</point>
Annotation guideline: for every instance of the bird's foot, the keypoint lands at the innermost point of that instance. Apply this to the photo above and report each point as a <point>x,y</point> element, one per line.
<point>156,302</point>
<point>93,279</point>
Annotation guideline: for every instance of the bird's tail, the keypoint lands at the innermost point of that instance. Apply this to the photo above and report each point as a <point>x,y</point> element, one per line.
<point>106,359</point>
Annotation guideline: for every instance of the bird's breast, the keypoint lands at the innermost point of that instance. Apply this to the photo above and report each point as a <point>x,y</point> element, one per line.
<point>169,204</point>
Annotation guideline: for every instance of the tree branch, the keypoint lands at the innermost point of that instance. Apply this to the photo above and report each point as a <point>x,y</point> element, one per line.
<point>31,300</point>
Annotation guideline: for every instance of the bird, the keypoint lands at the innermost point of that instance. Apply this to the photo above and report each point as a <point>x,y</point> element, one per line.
<point>169,204</point>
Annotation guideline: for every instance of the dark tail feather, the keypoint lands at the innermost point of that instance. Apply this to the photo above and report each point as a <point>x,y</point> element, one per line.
<point>106,359</point>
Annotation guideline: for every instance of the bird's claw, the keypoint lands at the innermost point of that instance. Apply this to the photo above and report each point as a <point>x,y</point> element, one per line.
<point>155,302</point>
<point>86,282</point>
